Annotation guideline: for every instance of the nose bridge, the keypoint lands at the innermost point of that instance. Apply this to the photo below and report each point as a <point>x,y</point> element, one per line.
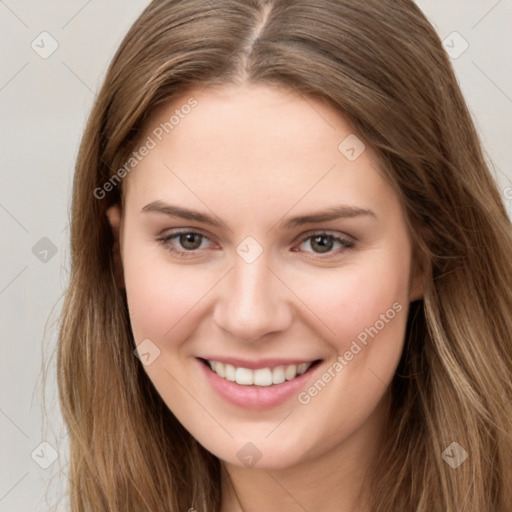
<point>253,300</point>
<point>251,283</point>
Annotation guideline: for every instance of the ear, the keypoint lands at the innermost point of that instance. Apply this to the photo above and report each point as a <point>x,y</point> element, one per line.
<point>114,217</point>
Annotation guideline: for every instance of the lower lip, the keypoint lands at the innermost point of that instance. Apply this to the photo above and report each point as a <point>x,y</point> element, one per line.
<point>256,397</point>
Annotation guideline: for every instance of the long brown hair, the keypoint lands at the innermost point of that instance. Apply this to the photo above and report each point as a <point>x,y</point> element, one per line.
<point>382,66</point>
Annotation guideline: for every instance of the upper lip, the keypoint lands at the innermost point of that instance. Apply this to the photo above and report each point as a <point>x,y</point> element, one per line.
<point>257,364</point>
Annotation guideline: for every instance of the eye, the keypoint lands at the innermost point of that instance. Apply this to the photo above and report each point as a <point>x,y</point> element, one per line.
<point>322,243</point>
<point>189,241</point>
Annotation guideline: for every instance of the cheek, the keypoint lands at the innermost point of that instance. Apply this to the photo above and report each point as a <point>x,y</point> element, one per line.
<point>361,310</point>
<point>366,306</point>
<point>165,299</point>
<point>349,300</point>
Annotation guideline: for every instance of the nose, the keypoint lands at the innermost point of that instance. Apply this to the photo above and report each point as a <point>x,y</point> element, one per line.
<point>253,301</point>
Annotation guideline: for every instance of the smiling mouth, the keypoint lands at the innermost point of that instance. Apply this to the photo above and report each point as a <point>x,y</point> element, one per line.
<point>260,377</point>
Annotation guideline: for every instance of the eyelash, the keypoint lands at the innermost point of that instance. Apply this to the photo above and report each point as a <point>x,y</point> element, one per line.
<point>165,241</point>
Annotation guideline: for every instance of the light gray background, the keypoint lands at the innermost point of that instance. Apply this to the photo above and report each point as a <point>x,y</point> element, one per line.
<point>44,104</point>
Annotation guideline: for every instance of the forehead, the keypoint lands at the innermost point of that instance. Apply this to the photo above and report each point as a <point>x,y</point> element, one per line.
<point>251,144</point>
<point>252,118</point>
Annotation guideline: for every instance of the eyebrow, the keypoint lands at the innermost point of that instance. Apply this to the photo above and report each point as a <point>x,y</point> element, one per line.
<point>333,213</point>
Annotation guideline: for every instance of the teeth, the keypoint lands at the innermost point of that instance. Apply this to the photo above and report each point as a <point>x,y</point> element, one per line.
<point>260,377</point>
<point>230,372</point>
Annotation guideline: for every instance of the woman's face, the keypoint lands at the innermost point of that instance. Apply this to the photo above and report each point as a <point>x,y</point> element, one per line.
<point>259,233</point>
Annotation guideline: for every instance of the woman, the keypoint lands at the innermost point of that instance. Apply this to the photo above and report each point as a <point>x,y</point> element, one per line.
<point>290,283</point>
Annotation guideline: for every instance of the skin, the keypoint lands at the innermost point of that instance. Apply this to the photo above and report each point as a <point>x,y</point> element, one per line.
<point>253,155</point>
